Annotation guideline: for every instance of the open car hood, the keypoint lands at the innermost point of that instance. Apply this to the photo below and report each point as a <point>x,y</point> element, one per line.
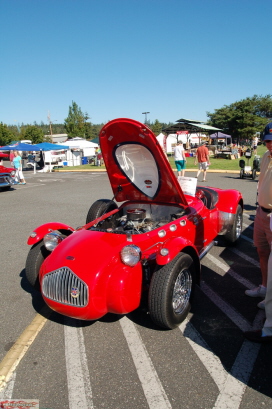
<point>137,167</point>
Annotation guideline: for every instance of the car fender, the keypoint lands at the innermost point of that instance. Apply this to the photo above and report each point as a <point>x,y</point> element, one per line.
<point>174,246</point>
<point>229,200</point>
<point>124,288</point>
<point>39,233</point>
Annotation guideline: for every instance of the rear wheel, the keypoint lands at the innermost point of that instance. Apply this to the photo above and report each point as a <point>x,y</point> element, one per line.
<point>254,174</point>
<point>36,256</point>
<point>99,208</point>
<point>242,172</point>
<point>233,235</point>
<point>171,291</point>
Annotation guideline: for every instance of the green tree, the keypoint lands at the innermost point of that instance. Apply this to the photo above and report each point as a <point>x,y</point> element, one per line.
<point>33,133</point>
<point>156,127</point>
<point>243,119</point>
<point>6,136</point>
<point>75,123</point>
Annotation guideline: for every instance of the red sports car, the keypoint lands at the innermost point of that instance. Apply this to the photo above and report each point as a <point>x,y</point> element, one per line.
<point>148,240</point>
<point>6,175</point>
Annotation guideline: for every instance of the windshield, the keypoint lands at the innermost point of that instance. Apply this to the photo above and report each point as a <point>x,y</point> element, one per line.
<point>139,166</point>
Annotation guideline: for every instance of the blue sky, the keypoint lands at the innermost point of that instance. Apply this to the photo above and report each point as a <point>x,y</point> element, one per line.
<point>119,58</point>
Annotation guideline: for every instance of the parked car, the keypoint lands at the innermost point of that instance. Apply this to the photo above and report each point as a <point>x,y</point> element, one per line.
<point>6,174</point>
<point>146,243</point>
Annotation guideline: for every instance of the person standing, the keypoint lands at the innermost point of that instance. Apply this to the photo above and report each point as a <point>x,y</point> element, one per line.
<point>180,158</point>
<point>202,156</point>
<point>11,157</point>
<point>255,145</point>
<point>262,235</point>
<point>17,163</point>
<point>264,334</point>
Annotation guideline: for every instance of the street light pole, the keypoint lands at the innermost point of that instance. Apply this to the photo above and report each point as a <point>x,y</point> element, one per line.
<point>145,113</point>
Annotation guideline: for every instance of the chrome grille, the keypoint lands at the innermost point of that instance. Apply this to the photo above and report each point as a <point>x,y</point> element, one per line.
<point>59,285</point>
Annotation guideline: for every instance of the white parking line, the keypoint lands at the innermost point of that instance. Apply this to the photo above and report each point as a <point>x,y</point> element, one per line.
<point>6,393</point>
<point>246,238</point>
<point>226,268</point>
<point>151,384</point>
<point>245,257</point>
<point>231,396</point>
<point>211,362</point>
<point>230,312</point>
<point>78,378</point>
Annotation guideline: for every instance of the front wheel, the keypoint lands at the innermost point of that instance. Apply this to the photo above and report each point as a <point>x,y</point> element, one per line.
<point>36,256</point>
<point>242,174</point>
<point>234,233</point>
<point>254,174</point>
<point>100,207</point>
<point>171,291</point>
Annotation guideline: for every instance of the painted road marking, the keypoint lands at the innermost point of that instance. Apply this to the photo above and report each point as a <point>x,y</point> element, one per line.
<point>230,312</point>
<point>231,385</point>
<point>245,257</point>
<point>151,384</point>
<point>19,349</point>
<point>6,393</point>
<point>78,377</point>
<point>231,396</point>
<point>246,238</point>
<point>226,269</point>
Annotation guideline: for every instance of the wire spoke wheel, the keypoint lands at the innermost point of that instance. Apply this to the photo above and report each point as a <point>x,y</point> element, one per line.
<point>171,291</point>
<point>182,291</point>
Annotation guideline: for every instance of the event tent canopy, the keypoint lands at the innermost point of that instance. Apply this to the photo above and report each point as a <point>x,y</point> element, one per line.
<point>47,146</point>
<point>220,135</point>
<point>44,146</point>
<point>18,147</point>
<point>190,125</point>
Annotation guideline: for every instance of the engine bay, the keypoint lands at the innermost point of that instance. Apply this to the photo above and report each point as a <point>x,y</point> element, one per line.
<point>139,219</point>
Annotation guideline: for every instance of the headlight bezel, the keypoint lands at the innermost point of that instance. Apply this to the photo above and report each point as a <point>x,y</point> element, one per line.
<point>52,240</point>
<point>130,255</point>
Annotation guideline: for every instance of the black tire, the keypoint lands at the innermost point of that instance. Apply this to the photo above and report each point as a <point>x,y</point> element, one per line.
<point>254,174</point>
<point>242,174</point>
<point>100,207</point>
<point>171,291</point>
<point>36,256</point>
<point>234,233</point>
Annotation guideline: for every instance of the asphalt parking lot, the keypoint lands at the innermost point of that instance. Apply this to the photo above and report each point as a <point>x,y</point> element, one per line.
<point>126,362</point>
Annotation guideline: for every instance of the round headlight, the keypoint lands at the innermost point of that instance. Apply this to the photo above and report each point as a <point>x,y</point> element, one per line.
<point>12,173</point>
<point>130,255</point>
<point>52,240</point>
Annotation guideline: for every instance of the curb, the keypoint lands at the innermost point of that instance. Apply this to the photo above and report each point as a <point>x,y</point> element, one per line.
<point>174,170</point>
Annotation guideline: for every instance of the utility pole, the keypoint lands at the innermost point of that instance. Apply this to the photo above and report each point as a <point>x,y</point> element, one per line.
<point>50,127</point>
<point>145,113</point>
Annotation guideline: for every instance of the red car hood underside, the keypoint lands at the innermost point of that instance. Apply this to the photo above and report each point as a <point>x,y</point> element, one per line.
<point>137,167</point>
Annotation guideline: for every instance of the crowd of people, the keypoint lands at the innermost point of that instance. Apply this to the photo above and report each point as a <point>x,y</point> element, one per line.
<point>201,156</point>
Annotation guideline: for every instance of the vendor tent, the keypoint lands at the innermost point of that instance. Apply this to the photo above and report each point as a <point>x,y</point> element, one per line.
<point>220,135</point>
<point>18,147</point>
<point>47,146</point>
<point>79,145</point>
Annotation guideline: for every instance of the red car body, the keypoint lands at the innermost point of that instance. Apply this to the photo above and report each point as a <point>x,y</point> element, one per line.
<point>6,174</point>
<point>151,244</point>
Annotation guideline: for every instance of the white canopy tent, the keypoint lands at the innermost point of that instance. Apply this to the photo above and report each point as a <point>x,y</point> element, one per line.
<point>172,139</point>
<point>78,147</point>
